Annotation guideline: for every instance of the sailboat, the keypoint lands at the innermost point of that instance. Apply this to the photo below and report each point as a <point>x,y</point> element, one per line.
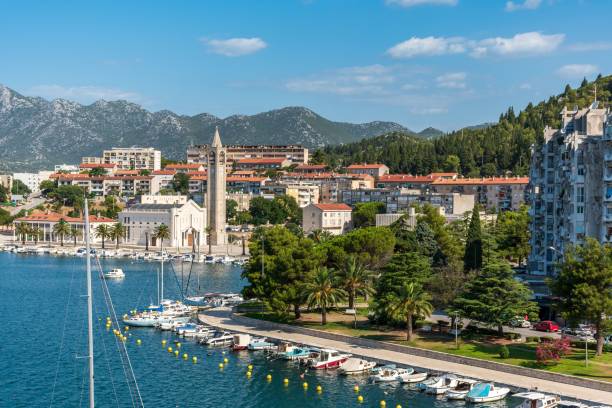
<point>165,311</point>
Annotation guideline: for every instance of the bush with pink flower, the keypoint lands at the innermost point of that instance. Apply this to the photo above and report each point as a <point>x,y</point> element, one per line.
<point>551,351</point>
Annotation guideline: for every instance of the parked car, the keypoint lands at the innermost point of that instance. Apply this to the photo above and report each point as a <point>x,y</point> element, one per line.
<point>547,326</point>
<point>520,322</point>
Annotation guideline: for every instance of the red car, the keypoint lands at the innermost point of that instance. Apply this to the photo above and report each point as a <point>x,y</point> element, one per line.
<point>547,326</point>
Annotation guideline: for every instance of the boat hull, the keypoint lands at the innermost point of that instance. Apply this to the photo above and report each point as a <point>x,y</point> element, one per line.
<point>328,364</point>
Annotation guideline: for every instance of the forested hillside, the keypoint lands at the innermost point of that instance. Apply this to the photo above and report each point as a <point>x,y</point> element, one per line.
<point>495,150</point>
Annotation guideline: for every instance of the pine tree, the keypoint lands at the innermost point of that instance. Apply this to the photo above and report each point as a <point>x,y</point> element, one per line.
<point>472,259</point>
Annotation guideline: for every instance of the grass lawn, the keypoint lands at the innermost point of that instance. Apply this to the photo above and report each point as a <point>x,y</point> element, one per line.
<point>521,354</point>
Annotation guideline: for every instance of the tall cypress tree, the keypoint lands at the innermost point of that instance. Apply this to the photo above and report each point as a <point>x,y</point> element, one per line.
<point>472,258</point>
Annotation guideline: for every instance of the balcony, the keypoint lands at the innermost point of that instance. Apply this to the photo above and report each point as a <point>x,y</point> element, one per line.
<point>608,157</point>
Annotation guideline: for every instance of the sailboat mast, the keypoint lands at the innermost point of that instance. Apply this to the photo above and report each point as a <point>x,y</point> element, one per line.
<point>89,309</point>
<point>161,283</point>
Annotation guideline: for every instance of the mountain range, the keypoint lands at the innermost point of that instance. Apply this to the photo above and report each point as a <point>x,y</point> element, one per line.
<point>36,133</point>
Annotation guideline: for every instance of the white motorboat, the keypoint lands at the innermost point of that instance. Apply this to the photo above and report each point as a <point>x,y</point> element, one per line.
<point>537,400</point>
<point>115,273</point>
<point>415,377</point>
<point>241,342</point>
<point>356,365</point>
<point>328,359</point>
<point>422,386</point>
<point>486,392</point>
<point>390,373</point>
<point>464,385</point>
<point>444,383</point>
<point>220,339</point>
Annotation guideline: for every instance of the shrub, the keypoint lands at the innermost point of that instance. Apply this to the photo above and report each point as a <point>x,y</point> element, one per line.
<point>552,351</point>
<point>532,339</point>
<point>512,336</point>
<point>504,352</point>
<point>546,339</point>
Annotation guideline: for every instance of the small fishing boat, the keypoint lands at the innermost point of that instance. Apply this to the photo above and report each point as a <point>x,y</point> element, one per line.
<point>241,342</point>
<point>261,343</point>
<point>390,373</point>
<point>444,383</point>
<point>115,273</point>
<point>537,400</point>
<point>356,365</point>
<point>464,385</point>
<point>220,339</point>
<point>486,392</point>
<point>328,359</point>
<point>422,386</point>
<point>181,329</point>
<point>290,352</point>
<point>415,377</point>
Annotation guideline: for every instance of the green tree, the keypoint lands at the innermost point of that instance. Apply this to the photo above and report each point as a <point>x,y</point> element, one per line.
<point>97,171</point>
<point>356,279</point>
<point>61,228</point>
<point>20,188</point>
<point>242,218</point>
<point>46,187</point>
<point>452,163</point>
<point>180,183</point>
<point>231,210</point>
<point>117,232</point>
<point>494,297</point>
<point>289,207</point>
<point>320,236</point>
<point>323,293</point>
<point>584,286</point>
<point>75,233</point>
<point>22,230</point>
<point>512,234</point>
<point>364,214</point>
<point>4,194</point>
<point>111,206</point>
<point>411,300</point>
<point>161,232</point>
<point>103,232</point>
<point>373,246</point>
<point>472,259</point>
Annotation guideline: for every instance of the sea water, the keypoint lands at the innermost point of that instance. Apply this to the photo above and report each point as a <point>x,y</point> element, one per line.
<point>44,340</point>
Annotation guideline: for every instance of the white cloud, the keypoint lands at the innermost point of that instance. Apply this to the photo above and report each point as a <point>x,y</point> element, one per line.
<point>359,80</point>
<point>235,47</point>
<point>522,44</point>
<point>572,71</point>
<point>412,3</point>
<point>432,110</point>
<point>83,94</point>
<point>525,5</point>
<point>594,46</point>
<point>427,46</point>
<point>525,86</point>
<point>452,80</point>
<point>532,43</point>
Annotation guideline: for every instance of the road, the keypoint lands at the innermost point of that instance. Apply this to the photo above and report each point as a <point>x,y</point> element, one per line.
<point>31,203</point>
<point>523,332</point>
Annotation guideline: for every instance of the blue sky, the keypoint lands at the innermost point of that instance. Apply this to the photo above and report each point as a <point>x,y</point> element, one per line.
<point>441,63</point>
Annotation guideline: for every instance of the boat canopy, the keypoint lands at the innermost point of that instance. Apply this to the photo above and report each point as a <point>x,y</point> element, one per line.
<point>480,390</point>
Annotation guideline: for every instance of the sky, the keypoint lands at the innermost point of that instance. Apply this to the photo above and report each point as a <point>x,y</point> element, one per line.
<point>440,63</point>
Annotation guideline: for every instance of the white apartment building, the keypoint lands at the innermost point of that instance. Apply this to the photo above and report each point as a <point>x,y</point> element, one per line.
<point>6,181</point>
<point>33,180</point>
<point>571,186</point>
<point>333,218</point>
<point>128,158</point>
<point>303,193</point>
<point>185,219</point>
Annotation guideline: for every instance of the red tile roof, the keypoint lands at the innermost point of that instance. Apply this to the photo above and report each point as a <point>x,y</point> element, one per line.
<point>183,166</point>
<point>333,207</point>
<point>262,160</point>
<point>163,173</point>
<point>436,175</point>
<point>196,173</point>
<point>405,178</point>
<point>97,165</point>
<point>481,181</point>
<point>311,167</point>
<point>55,217</point>
<point>126,173</point>
<point>366,166</point>
<point>231,179</point>
<point>76,176</point>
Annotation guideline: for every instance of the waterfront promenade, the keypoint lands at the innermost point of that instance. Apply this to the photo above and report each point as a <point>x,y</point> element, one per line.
<point>223,318</point>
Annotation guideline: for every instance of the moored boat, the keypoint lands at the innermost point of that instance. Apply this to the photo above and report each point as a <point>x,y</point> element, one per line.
<point>537,400</point>
<point>220,339</point>
<point>261,343</point>
<point>328,359</point>
<point>115,273</point>
<point>241,341</point>
<point>390,373</point>
<point>415,377</point>
<point>444,383</point>
<point>486,392</point>
<point>356,365</point>
<point>464,385</point>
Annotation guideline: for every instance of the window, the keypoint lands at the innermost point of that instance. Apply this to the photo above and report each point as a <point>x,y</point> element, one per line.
<point>580,194</point>
<point>580,209</point>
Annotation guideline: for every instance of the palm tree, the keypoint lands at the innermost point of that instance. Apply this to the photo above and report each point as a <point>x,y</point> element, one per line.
<point>103,231</point>
<point>117,232</point>
<point>323,293</point>
<point>356,279</point>
<point>411,300</point>
<point>22,230</point>
<point>209,233</point>
<point>162,232</point>
<point>36,233</point>
<point>320,236</point>
<point>74,233</point>
<point>62,228</point>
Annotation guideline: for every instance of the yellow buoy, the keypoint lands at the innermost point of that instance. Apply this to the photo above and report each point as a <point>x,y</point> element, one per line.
<point>176,353</point>
<point>220,365</point>
<point>305,385</point>
<point>398,406</point>
<point>163,343</point>
<point>185,356</point>
<point>139,342</point>
<point>356,388</point>
<point>269,377</point>
<point>319,388</point>
<point>360,399</point>
<point>194,359</point>
<point>127,328</point>
<point>250,367</point>
<point>178,345</point>
<point>225,360</point>
<point>248,374</point>
<point>383,403</point>
<point>169,349</point>
<point>286,381</point>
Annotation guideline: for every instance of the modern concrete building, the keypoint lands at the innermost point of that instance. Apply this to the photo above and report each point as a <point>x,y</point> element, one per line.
<point>33,180</point>
<point>262,163</point>
<point>137,158</point>
<point>295,154</point>
<point>493,193</point>
<point>333,218</point>
<point>45,222</point>
<point>185,219</point>
<point>375,170</point>
<point>303,193</point>
<point>215,190</point>
<point>571,183</point>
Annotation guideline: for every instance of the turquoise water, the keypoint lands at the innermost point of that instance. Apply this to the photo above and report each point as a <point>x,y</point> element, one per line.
<point>45,333</point>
